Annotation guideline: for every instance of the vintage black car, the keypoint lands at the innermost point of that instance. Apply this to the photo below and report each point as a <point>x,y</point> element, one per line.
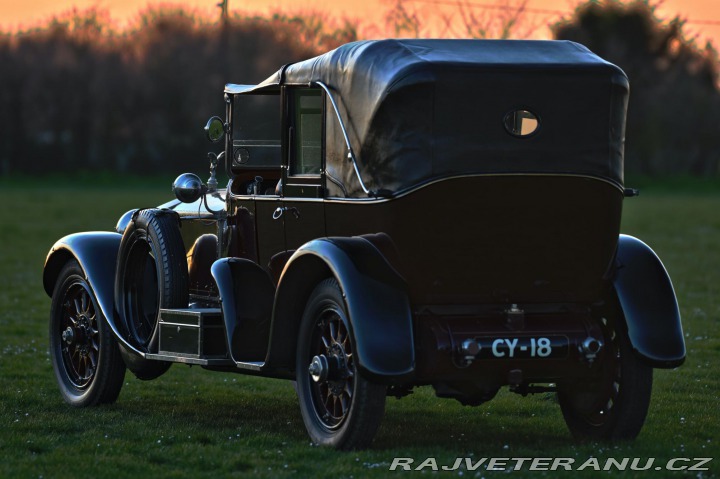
<point>400,213</point>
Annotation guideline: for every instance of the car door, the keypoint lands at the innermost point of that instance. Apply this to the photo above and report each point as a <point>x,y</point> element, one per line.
<point>303,179</point>
<point>257,162</point>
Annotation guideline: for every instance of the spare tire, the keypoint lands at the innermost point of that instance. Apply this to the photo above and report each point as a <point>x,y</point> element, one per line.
<point>151,273</point>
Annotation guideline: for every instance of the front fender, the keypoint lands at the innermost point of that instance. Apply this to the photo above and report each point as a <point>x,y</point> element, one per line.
<point>96,252</point>
<point>375,296</point>
<point>648,301</point>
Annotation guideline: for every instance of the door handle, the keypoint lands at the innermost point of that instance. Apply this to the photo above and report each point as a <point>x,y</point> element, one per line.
<point>279,211</point>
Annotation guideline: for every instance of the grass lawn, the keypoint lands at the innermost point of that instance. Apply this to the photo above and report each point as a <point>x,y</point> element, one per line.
<point>195,423</point>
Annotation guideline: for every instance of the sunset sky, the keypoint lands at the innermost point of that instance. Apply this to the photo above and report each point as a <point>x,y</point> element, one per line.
<point>703,15</point>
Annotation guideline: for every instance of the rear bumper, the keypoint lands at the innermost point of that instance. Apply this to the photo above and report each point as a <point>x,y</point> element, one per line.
<point>499,348</point>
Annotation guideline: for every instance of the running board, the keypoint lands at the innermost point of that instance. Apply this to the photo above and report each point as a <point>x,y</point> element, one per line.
<point>250,366</point>
<point>190,360</point>
<point>174,358</point>
<point>196,336</point>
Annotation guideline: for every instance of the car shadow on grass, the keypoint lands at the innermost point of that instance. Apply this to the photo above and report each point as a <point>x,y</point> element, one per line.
<point>221,409</point>
<point>446,424</point>
<point>271,408</point>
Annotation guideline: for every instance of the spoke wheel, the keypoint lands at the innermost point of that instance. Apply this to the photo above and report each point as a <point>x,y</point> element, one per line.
<point>613,405</point>
<point>78,330</point>
<point>85,355</point>
<point>339,406</point>
<point>332,395</point>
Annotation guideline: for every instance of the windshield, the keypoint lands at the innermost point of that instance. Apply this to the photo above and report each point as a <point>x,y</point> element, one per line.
<point>256,130</point>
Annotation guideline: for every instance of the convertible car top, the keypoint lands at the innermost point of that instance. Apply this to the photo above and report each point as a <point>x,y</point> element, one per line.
<point>419,110</point>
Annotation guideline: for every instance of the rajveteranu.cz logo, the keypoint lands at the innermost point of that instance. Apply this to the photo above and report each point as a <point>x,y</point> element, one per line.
<point>551,464</point>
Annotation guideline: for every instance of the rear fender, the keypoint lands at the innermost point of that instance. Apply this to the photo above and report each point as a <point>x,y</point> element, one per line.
<point>96,252</point>
<point>375,296</point>
<point>648,301</point>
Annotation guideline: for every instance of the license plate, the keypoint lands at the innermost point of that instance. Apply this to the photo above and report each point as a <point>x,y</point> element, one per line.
<point>542,347</point>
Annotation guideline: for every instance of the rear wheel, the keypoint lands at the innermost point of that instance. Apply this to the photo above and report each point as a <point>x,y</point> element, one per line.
<point>83,350</point>
<point>339,406</point>
<point>614,405</point>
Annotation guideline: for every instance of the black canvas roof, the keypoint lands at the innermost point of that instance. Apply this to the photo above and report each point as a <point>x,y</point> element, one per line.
<point>422,109</point>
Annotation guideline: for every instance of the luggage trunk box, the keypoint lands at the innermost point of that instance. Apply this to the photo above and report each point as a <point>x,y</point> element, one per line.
<point>192,333</point>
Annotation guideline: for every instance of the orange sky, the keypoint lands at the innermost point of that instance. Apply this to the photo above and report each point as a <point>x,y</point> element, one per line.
<point>16,14</point>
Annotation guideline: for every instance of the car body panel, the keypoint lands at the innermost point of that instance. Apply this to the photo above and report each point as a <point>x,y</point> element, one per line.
<point>512,239</point>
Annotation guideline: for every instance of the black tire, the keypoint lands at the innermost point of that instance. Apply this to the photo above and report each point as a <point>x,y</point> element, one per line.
<point>343,411</point>
<point>84,353</point>
<point>151,273</point>
<point>613,406</point>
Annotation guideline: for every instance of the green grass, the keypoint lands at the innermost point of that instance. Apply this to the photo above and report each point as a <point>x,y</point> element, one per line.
<point>195,423</point>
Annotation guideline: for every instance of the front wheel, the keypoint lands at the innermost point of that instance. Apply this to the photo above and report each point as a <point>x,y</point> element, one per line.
<point>614,405</point>
<point>84,352</point>
<point>339,406</point>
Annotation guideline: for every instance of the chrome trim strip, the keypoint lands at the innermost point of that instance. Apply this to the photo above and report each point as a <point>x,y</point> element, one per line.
<point>418,187</point>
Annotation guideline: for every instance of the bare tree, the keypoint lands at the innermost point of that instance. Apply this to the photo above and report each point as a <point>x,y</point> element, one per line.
<point>463,19</point>
<point>403,20</point>
<point>504,20</point>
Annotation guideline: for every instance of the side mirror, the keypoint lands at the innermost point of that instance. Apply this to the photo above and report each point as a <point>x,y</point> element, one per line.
<point>215,129</point>
<point>188,188</point>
